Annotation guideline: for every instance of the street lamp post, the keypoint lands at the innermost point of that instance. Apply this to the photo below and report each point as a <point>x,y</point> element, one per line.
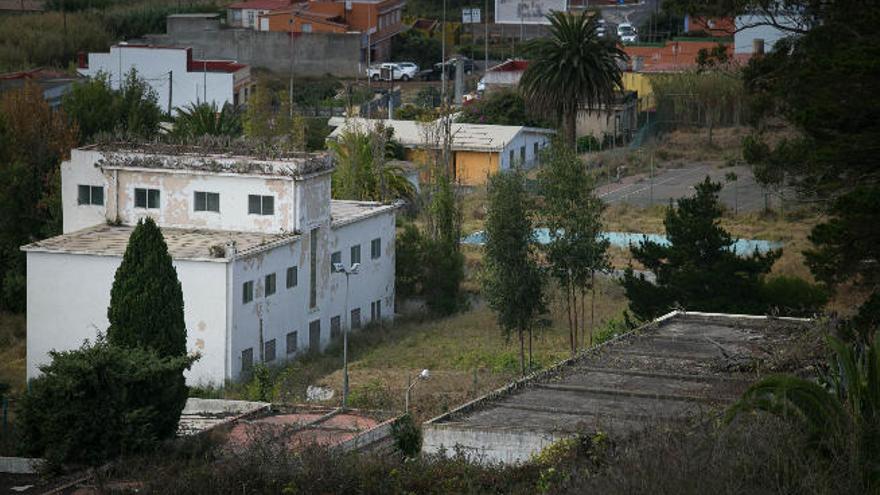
<point>348,272</point>
<point>424,375</point>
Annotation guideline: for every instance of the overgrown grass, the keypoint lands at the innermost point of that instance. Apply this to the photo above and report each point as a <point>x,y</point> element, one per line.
<point>13,349</point>
<point>466,354</point>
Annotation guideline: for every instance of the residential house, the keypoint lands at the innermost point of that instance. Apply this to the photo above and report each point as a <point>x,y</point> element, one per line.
<point>618,121</point>
<point>477,149</point>
<point>504,75</point>
<point>253,242</point>
<point>177,78</point>
<point>380,20</point>
<point>247,14</point>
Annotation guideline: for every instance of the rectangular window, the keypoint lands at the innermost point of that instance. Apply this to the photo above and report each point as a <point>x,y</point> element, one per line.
<point>376,311</point>
<point>356,254</point>
<point>247,292</point>
<point>292,277</point>
<point>375,248</point>
<point>206,201</point>
<point>247,359</point>
<point>90,195</point>
<point>335,258</point>
<point>356,318</point>
<point>270,284</point>
<point>335,327</point>
<point>535,151</point>
<point>510,159</point>
<point>261,205</point>
<point>292,342</point>
<point>522,155</point>
<point>146,198</point>
<point>269,350</point>
<point>307,28</point>
<point>315,336</point>
<point>313,268</point>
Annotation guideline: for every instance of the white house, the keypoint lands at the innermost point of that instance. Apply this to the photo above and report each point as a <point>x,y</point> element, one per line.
<point>247,14</point>
<point>252,241</point>
<point>178,79</point>
<point>478,149</point>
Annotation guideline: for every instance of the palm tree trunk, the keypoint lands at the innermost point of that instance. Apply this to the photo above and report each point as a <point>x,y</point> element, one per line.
<point>570,127</point>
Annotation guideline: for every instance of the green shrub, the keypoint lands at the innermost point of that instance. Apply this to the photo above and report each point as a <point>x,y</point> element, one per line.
<point>101,401</point>
<point>587,143</point>
<point>407,436</point>
<point>793,296</point>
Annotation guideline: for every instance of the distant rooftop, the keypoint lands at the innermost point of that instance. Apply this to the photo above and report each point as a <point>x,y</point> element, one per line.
<point>211,159</point>
<point>465,137</point>
<point>195,244</point>
<point>260,4</point>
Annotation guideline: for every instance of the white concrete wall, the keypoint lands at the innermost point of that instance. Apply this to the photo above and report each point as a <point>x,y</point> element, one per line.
<point>176,202</point>
<point>68,296</point>
<point>486,445</point>
<point>153,65</point>
<point>527,139</point>
<point>288,309</point>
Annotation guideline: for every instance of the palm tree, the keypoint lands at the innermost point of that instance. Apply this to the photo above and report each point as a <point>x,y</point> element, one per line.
<point>205,119</point>
<point>363,171</point>
<point>572,69</point>
<point>841,413</point>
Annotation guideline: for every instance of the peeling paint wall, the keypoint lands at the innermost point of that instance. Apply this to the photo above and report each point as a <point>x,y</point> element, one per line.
<point>288,309</point>
<point>176,203</point>
<point>68,296</point>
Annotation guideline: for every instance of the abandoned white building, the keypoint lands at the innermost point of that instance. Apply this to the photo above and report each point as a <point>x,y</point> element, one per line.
<point>253,242</point>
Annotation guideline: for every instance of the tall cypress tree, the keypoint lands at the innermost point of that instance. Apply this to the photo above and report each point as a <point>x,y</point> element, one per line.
<point>146,302</point>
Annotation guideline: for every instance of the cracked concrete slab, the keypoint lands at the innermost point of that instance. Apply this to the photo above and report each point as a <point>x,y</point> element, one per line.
<point>677,367</point>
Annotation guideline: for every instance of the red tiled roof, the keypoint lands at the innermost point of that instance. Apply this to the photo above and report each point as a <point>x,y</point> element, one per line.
<point>511,66</point>
<point>37,74</point>
<point>672,56</point>
<point>260,4</point>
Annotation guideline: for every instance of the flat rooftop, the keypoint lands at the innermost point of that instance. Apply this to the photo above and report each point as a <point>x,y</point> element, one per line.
<point>196,244</point>
<point>669,370</point>
<point>220,157</point>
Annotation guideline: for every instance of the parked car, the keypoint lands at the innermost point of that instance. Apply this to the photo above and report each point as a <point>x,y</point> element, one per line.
<point>400,71</point>
<point>436,73</point>
<point>627,33</point>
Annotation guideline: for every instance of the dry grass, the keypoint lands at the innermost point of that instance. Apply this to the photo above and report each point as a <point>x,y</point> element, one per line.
<point>466,353</point>
<point>791,230</point>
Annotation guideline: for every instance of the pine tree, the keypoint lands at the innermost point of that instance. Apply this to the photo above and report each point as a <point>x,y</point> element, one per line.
<point>146,302</point>
<point>698,269</point>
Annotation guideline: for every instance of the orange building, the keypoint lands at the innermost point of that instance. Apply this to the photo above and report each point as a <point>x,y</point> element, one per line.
<point>381,19</point>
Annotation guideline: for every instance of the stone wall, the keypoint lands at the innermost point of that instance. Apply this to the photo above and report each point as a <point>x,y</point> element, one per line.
<point>313,54</point>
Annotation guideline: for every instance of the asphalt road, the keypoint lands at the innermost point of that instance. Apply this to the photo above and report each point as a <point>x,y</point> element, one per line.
<point>670,184</point>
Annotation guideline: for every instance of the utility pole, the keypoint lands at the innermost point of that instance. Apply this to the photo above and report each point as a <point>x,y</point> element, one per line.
<point>204,77</point>
<point>290,82</point>
<point>170,89</point>
<point>486,37</point>
<point>443,59</point>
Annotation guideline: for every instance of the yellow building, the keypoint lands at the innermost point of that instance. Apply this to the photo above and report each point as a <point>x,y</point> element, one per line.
<point>478,150</point>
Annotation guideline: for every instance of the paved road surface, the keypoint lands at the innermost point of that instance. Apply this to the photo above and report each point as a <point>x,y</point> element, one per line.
<point>671,184</point>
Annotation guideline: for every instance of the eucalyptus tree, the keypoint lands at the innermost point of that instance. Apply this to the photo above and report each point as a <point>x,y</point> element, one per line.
<point>572,69</point>
<point>513,282</point>
<point>577,249</point>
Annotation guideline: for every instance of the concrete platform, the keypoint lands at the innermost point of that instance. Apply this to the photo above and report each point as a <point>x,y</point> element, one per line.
<point>675,368</point>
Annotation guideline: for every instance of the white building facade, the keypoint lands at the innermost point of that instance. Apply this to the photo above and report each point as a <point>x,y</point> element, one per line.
<point>252,242</point>
<point>178,79</point>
